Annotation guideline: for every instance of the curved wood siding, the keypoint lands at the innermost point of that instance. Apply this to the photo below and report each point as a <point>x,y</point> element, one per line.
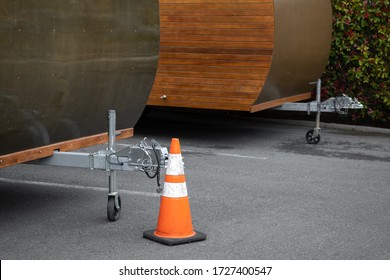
<point>220,54</point>
<point>213,54</point>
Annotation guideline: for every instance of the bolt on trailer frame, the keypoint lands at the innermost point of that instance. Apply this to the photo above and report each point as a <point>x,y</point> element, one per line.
<point>340,104</point>
<point>143,157</point>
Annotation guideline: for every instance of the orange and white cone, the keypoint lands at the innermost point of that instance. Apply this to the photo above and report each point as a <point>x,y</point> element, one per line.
<point>174,225</point>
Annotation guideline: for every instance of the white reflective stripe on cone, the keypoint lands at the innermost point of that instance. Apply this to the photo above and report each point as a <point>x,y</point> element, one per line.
<point>175,165</point>
<point>175,190</point>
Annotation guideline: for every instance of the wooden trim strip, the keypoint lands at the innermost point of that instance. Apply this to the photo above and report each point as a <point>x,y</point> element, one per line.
<point>211,69</point>
<point>213,1</point>
<point>244,32</point>
<point>245,51</point>
<point>212,75</point>
<point>278,102</point>
<point>215,6</point>
<point>218,12</point>
<point>200,105</point>
<point>70,145</point>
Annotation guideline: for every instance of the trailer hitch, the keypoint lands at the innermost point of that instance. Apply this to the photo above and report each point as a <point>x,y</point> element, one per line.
<point>142,157</point>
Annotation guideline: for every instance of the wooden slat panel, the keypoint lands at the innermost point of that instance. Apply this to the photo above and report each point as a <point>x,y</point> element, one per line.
<point>46,151</point>
<point>278,102</point>
<point>235,6</point>
<point>226,19</point>
<point>214,12</point>
<point>214,54</point>
<point>215,62</point>
<point>198,31</point>
<point>205,99</point>
<point>200,56</point>
<point>201,93</point>
<point>220,44</point>
<point>206,25</point>
<point>209,81</point>
<point>212,75</point>
<point>202,105</point>
<point>217,38</point>
<point>214,1</point>
<point>196,68</point>
<point>197,87</point>
<point>257,51</point>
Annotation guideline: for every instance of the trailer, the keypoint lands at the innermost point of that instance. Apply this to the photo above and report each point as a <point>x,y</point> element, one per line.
<point>63,65</point>
<point>240,55</point>
<point>244,55</point>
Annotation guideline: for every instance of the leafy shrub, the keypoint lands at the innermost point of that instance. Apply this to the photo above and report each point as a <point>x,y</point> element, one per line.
<point>359,62</point>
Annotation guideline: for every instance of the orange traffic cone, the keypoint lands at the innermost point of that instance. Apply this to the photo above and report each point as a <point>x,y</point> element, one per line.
<point>174,225</point>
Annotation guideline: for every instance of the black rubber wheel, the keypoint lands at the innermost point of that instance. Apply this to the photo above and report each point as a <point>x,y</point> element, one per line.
<point>310,139</point>
<point>113,213</point>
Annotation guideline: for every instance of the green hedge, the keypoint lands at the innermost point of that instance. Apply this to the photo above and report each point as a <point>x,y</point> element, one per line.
<point>359,60</point>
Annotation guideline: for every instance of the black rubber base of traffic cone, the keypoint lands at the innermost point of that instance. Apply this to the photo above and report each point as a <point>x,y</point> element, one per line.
<point>199,236</point>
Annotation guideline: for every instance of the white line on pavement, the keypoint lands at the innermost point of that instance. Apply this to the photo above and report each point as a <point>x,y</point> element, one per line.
<point>238,156</point>
<point>221,154</point>
<point>228,155</point>
<point>66,186</point>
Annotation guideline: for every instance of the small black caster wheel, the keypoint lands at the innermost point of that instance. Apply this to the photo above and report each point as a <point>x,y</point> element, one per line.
<point>113,212</point>
<point>310,139</point>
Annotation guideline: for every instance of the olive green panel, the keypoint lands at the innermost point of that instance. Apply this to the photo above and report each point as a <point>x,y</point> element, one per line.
<point>303,35</point>
<point>64,63</point>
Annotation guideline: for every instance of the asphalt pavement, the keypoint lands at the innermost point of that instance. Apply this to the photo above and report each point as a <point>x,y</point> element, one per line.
<point>256,188</point>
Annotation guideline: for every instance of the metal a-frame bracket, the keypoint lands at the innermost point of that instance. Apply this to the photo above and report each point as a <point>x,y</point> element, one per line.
<point>340,104</point>
<point>142,157</point>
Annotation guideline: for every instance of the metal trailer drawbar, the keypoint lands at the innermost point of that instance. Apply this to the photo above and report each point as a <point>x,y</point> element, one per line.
<point>143,157</point>
<point>340,104</point>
